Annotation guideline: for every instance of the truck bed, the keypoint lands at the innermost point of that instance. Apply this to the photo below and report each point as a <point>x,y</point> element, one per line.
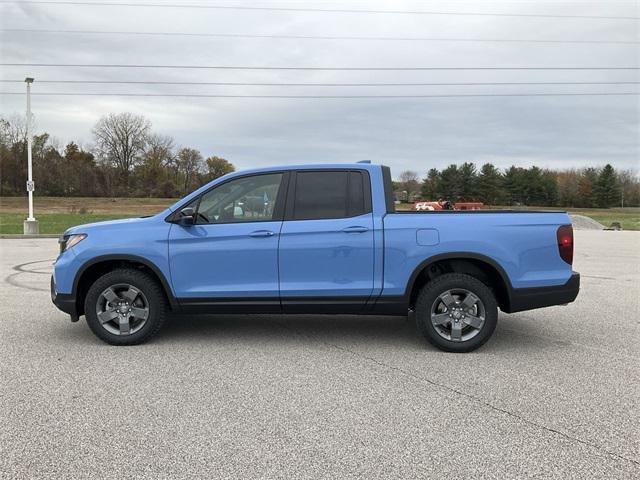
<point>524,243</point>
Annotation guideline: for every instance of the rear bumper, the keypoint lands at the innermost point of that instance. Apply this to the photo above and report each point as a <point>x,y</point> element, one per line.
<point>64,302</point>
<point>530,298</point>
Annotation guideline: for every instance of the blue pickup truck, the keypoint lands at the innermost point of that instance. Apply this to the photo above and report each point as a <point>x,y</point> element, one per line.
<point>314,239</point>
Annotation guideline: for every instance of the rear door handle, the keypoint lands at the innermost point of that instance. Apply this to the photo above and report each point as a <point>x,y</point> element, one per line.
<point>262,233</point>
<point>355,229</point>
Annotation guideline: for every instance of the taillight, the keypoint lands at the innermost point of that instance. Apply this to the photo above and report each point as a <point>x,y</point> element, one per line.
<point>565,243</point>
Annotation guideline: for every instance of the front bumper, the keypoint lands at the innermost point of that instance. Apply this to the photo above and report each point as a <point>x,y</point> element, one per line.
<point>530,298</point>
<point>65,302</point>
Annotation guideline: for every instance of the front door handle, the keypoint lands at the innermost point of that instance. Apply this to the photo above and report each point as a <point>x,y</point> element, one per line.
<point>355,229</point>
<point>262,233</point>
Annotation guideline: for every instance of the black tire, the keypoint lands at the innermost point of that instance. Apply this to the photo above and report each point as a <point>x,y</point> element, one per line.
<point>429,297</point>
<point>156,305</point>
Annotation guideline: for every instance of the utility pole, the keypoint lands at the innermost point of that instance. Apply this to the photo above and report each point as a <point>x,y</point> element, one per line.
<point>30,225</point>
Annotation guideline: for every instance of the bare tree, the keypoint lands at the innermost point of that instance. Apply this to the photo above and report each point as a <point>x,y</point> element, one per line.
<point>13,130</point>
<point>409,181</point>
<point>190,165</point>
<point>13,154</point>
<point>121,139</point>
<point>628,181</point>
<point>156,165</point>
<point>159,151</point>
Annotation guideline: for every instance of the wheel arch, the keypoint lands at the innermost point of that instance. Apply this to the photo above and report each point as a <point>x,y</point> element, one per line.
<point>98,266</point>
<point>477,265</point>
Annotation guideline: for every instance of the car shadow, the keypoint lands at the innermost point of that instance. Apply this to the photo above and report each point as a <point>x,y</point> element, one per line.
<point>276,328</point>
<point>342,331</point>
<point>367,331</point>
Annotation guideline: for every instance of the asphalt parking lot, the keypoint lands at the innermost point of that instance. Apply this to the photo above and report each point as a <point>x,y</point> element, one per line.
<point>555,393</point>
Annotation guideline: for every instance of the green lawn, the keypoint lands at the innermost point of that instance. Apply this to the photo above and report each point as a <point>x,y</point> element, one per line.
<point>628,218</point>
<point>54,223</point>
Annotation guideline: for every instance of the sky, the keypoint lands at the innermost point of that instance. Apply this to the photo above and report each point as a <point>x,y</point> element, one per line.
<point>404,133</point>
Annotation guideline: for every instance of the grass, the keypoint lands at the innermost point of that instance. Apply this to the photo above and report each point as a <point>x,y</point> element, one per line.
<point>89,205</point>
<point>56,214</point>
<point>54,223</point>
<point>629,218</point>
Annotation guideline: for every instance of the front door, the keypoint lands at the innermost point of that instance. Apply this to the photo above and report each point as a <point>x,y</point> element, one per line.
<point>229,257</point>
<point>326,243</point>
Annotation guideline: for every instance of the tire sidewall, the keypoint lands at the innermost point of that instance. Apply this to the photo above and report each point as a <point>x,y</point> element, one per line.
<point>450,281</point>
<point>140,281</point>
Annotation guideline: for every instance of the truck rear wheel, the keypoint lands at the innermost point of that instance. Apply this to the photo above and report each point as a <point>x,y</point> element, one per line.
<point>125,307</point>
<point>456,312</point>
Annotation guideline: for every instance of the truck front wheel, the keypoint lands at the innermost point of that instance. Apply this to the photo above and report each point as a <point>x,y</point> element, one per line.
<point>456,312</point>
<point>125,307</point>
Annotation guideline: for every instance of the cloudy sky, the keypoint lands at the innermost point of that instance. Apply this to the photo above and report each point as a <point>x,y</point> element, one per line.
<point>405,133</point>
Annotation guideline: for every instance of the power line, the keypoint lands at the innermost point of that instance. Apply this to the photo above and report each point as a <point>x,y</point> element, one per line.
<point>314,37</point>
<point>315,10</point>
<point>280,84</point>
<point>74,94</point>
<point>244,67</point>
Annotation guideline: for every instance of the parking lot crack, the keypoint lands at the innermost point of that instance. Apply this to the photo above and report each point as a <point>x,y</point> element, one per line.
<point>469,396</point>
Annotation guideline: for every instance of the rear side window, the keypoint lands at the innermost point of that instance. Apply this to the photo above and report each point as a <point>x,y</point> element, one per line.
<point>328,194</point>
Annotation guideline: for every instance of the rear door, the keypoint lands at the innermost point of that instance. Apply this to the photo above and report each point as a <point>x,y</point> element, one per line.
<point>326,251</point>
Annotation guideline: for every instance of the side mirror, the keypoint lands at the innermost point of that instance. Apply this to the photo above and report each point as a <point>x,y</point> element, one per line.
<point>187,216</point>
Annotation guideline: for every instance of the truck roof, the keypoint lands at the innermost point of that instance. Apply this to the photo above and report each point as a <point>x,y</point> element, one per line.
<point>311,166</point>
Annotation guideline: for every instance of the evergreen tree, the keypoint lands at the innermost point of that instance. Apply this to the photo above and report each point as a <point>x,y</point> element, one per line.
<point>468,181</point>
<point>449,186</point>
<point>490,185</point>
<point>515,185</point>
<point>538,190</point>
<point>607,190</point>
<point>430,185</point>
<point>549,181</point>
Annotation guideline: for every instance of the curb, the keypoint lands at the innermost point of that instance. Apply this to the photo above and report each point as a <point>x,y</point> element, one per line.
<point>19,236</point>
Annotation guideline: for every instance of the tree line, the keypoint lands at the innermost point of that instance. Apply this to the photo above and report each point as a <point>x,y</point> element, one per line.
<point>586,188</point>
<point>127,159</point>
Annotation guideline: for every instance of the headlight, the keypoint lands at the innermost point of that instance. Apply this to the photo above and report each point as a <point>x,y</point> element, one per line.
<point>68,241</point>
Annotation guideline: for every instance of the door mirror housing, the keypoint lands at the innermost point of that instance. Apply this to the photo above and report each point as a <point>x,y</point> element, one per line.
<point>187,216</point>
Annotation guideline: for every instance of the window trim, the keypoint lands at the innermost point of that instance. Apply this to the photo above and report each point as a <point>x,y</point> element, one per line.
<point>366,190</point>
<point>278,209</point>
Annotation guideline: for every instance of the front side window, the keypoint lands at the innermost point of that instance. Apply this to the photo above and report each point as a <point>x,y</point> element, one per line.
<point>247,199</point>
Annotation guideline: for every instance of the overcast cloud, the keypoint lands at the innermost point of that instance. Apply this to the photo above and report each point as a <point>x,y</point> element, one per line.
<point>404,133</point>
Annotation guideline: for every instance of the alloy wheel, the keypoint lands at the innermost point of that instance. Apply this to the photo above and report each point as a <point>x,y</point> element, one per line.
<point>122,309</point>
<point>458,315</point>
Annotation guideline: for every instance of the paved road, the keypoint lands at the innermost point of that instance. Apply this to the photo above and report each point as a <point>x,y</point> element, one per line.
<point>555,393</point>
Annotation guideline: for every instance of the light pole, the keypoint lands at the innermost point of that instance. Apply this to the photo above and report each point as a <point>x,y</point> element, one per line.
<point>30,225</point>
